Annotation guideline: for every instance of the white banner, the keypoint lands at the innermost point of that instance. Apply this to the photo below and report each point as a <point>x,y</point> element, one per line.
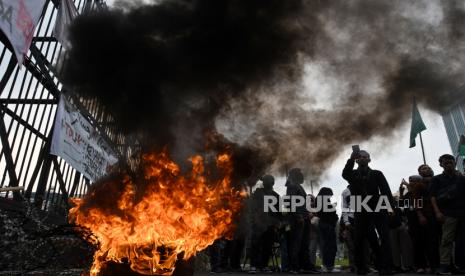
<point>18,19</point>
<point>76,141</point>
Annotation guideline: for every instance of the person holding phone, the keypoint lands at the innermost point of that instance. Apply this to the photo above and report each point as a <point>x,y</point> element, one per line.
<point>365,182</point>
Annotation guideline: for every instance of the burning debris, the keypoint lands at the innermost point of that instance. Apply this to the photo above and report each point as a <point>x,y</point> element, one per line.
<point>161,216</point>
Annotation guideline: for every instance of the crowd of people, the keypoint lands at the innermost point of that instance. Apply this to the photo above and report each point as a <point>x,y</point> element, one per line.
<point>422,232</point>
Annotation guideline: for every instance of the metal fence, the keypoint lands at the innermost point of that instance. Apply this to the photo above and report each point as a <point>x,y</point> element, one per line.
<point>28,99</point>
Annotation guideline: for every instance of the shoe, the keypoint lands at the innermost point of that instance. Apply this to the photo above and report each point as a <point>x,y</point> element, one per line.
<point>421,271</point>
<point>293,271</point>
<point>252,270</point>
<point>266,270</point>
<point>330,270</point>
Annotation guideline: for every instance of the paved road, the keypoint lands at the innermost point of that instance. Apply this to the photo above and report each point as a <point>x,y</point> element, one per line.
<point>78,272</point>
<point>286,274</point>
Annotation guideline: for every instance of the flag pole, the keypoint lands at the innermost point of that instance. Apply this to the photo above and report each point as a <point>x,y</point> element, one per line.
<point>422,149</point>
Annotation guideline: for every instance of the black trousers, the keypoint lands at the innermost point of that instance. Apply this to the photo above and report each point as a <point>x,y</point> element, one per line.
<point>261,246</point>
<point>460,247</point>
<point>365,226</point>
<point>425,240</point>
<point>300,242</point>
<point>225,254</point>
<point>233,252</point>
<point>328,243</point>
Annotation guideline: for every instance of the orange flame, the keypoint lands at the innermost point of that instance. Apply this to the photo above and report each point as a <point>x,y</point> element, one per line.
<point>176,214</point>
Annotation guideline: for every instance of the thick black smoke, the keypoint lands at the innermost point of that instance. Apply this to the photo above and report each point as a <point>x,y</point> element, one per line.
<point>290,82</point>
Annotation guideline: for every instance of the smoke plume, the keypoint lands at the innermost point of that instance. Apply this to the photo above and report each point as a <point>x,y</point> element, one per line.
<point>290,83</point>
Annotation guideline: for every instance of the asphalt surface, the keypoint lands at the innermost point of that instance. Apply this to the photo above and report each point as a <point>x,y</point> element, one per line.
<point>285,274</point>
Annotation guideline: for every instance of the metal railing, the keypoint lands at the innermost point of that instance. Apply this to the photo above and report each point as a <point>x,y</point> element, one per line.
<point>28,99</point>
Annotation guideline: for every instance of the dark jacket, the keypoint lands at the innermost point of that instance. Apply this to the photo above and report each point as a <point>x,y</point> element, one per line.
<point>297,190</point>
<point>330,218</point>
<point>369,182</point>
<point>261,219</point>
<point>449,191</point>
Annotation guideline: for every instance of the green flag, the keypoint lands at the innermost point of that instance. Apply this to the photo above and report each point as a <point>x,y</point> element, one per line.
<point>461,148</point>
<point>417,124</point>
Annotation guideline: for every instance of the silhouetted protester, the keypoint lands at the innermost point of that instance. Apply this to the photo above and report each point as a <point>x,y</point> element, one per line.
<point>448,200</point>
<point>327,229</point>
<point>265,226</point>
<point>401,244</point>
<point>422,225</point>
<point>427,219</point>
<point>347,227</point>
<point>367,182</point>
<point>300,226</point>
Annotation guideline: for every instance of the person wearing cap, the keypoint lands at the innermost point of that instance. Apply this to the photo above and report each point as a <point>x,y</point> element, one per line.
<point>447,193</point>
<point>365,182</point>
<point>299,221</point>
<point>264,227</point>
